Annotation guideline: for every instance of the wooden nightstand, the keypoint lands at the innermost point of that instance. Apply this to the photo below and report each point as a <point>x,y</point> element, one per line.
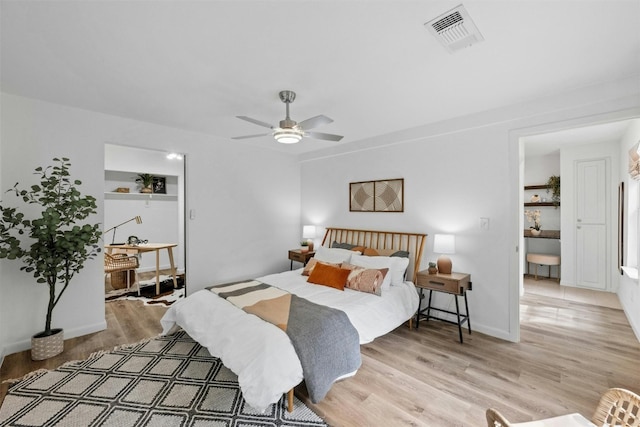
<point>456,284</point>
<point>299,256</point>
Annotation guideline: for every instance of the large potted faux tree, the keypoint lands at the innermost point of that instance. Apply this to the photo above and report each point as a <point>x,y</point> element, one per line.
<point>54,245</point>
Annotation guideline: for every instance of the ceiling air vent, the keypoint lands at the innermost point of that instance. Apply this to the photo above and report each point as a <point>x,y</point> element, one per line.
<point>455,29</point>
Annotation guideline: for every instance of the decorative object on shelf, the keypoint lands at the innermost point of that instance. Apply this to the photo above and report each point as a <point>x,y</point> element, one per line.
<point>138,220</point>
<point>146,182</point>
<point>534,217</point>
<point>554,185</point>
<point>386,195</point>
<point>535,198</point>
<point>432,268</point>
<point>122,190</point>
<point>159,185</point>
<point>304,246</point>
<point>309,233</point>
<point>444,244</point>
<point>62,241</point>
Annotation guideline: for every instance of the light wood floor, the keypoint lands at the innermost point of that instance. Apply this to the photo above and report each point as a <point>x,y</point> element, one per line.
<point>570,353</point>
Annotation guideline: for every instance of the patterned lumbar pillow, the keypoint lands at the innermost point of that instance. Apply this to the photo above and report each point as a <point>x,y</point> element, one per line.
<point>365,279</point>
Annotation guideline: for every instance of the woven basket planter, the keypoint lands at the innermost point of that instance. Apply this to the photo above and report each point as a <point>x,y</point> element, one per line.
<point>46,346</point>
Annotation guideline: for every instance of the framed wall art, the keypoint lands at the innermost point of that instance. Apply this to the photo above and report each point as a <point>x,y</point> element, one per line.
<point>159,185</point>
<point>386,195</point>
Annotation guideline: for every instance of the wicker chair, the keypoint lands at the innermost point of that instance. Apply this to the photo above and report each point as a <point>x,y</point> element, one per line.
<point>122,262</point>
<point>617,407</point>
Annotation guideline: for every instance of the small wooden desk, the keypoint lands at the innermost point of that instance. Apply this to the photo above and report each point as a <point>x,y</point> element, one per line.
<point>456,284</point>
<point>150,247</point>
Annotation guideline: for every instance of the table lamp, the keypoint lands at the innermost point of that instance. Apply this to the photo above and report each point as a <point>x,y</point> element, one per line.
<point>444,244</point>
<point>309,233</point>
<point>136,218</point>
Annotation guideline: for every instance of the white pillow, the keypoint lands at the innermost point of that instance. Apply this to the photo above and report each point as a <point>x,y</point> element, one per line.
<point>396,265</point>
<point>334,255</point>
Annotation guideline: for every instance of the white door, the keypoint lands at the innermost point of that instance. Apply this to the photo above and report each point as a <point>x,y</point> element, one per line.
<point>591,224</point>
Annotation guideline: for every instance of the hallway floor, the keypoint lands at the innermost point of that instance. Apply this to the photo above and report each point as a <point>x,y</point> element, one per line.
<point>551,288</point>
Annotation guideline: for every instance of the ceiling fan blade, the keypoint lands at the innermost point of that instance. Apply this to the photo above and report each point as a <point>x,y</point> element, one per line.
<point>314,122</point>
<point>249,136</point>
<point>325,136</point>
<point>255,122</point>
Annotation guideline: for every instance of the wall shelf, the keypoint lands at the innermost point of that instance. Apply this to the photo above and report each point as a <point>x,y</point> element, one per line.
<point>539,187</point>
<point>540,204</point>
<point>545,234</point>
<point>138,196</point>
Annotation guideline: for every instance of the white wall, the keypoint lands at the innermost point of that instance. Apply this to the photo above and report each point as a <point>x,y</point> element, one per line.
<point>629,289</point>
<point>455,172</point>
<point>247,202</point>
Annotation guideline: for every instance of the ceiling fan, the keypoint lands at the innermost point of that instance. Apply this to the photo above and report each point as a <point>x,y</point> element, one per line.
<point>289,131</point>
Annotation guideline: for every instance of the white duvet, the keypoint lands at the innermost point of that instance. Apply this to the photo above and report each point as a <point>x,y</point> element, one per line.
<point>261,354</point>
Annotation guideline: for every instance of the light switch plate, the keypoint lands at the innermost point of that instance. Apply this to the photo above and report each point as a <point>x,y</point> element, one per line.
<point>484,223</point>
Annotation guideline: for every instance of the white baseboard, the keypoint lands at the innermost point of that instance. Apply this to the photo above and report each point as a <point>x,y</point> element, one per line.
<point>23,345</point>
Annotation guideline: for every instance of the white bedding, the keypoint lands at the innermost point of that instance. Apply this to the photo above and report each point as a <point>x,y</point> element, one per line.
<point>260,353</point>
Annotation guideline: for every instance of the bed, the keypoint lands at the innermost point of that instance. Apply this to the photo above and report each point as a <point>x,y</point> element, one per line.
<point>263,355</point>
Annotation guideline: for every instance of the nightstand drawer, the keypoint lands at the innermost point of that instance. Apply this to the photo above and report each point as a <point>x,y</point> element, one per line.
<point>440,284</point>
<point>451,283</point>
<point>298,256</point>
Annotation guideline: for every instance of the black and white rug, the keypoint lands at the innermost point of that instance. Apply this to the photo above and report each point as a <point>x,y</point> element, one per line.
<point>167,381</point>
<point>167,296</point>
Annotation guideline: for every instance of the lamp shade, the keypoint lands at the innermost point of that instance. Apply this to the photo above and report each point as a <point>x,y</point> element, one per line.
<point>444,244</point>
<point>309,232</point>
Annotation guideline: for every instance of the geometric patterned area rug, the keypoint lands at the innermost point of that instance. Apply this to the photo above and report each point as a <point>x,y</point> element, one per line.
<point>167,381</point>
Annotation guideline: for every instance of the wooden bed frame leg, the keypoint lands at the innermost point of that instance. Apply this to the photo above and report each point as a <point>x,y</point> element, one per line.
<point>290,400</point>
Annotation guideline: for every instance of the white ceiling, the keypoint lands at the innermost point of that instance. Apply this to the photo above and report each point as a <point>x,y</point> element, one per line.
<point>369,65</point>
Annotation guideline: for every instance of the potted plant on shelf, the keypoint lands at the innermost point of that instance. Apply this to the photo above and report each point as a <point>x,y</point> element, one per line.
<point>146,181</point>
<point>534,217</point>
<point>554,185</point>
<point>61,242</point>
<point>432,268</point>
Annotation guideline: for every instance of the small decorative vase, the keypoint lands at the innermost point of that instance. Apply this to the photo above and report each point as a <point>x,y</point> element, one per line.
<point>432,270</point>
<point>146,190</point>
<point>535,232</point>
<point>46,346</point>
<point>535,198</point>
<point>304,249</point>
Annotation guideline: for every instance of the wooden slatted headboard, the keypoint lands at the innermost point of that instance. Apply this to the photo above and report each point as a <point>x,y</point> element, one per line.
<point>394,240</point>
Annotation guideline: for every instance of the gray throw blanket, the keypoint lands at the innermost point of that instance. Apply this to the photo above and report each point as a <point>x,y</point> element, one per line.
<point>324,339</point>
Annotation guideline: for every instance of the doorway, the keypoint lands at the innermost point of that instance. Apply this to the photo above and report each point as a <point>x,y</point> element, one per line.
<point>148,225</point>
<point>583,136</point>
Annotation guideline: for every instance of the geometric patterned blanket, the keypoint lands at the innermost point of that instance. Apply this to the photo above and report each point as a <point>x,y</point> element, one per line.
<point>327,344</point>
<point>167,381</point>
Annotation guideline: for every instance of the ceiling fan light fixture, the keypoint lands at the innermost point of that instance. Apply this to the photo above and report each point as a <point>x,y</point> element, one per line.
<point>287,136</point>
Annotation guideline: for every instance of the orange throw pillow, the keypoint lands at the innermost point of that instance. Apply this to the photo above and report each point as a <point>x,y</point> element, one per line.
<point>328,275</point>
